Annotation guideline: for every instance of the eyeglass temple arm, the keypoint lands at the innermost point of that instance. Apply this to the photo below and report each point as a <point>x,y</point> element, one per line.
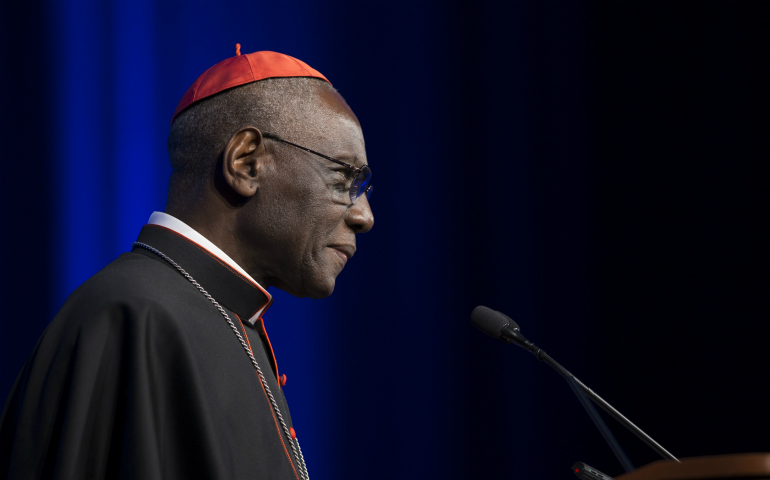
<point>339,162</point>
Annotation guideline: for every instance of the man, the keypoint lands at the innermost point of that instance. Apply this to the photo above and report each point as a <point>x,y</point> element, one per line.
<point>159,366</point>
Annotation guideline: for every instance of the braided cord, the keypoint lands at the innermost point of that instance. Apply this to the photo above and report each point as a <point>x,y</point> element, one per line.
<point>293,442</point>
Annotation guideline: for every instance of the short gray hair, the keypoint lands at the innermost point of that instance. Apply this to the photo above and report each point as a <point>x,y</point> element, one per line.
<point>199,134</point>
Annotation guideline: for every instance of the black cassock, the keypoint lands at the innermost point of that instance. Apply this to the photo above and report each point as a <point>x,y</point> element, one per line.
<point>139,376</point>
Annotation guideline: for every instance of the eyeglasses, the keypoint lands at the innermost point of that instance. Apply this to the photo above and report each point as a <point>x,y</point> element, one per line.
<point>362,182</point>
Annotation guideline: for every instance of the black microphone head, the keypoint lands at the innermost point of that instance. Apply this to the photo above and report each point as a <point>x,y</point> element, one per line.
<point>491,321</point>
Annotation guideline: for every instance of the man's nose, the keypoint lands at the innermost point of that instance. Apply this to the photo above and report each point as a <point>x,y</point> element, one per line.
<point>359,216</point>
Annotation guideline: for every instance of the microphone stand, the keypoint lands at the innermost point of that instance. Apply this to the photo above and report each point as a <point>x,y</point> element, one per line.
<point>599,422</point>
<point>581,390</point>
<point>512,334</point>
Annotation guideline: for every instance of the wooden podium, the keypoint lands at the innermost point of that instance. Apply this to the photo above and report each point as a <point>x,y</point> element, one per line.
<point>726,467</point>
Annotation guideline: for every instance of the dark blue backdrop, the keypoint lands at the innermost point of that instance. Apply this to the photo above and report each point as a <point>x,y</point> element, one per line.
<point>599,171</point>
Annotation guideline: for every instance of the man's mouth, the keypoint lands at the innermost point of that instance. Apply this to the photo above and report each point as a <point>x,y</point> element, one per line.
<point>345,252</point>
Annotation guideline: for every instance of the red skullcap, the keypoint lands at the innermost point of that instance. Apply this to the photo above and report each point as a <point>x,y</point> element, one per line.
<point>242,69</point>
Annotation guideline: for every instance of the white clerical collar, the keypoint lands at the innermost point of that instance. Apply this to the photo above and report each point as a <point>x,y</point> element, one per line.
<point>172,223</point>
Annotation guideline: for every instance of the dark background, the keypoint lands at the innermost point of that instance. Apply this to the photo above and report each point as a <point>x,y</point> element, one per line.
<point>598,171</point>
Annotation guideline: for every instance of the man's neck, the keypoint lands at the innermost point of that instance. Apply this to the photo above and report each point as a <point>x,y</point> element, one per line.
<point>217,235</point>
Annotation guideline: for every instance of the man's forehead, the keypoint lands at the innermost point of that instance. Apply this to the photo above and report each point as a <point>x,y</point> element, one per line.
<point>328,125</point>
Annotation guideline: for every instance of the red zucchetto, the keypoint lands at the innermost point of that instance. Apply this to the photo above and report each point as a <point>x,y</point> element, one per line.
<point>242,69</point>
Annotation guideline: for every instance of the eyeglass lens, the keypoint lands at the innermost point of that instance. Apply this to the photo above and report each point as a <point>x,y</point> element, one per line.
<point>361,184</point>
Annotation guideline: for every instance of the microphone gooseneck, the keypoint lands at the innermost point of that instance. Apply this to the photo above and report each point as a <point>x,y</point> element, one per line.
<point>502,327</point>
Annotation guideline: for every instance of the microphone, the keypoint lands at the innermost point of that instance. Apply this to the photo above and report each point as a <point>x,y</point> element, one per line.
<point>502,327</point>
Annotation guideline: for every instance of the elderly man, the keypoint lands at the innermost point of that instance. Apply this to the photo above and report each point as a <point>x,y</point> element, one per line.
<point>159,366</point>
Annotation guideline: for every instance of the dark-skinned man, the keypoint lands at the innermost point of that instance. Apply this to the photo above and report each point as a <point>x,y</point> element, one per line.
<point>159,366</point>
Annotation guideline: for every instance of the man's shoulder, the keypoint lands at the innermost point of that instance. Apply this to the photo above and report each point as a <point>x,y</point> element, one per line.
<point>134,287</point>
<point>135,307</point>
<point>132,275</point>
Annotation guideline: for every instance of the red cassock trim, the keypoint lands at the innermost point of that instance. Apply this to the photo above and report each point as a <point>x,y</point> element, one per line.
<point>272,354</point>
<point>275,420</point>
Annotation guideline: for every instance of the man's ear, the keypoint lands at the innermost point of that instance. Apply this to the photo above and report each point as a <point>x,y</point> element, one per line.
<point>241,161</point>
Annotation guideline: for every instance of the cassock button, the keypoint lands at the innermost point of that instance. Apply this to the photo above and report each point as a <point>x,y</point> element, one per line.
<point>283,379</point>
<point>293,434</point>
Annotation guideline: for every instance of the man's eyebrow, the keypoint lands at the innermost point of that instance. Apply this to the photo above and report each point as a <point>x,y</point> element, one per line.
<point>351,159</point>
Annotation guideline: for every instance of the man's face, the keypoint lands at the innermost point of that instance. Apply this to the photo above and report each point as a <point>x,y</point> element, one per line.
<point>303,225</point>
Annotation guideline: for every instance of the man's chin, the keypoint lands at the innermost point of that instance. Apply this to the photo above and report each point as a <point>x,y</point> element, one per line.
<point>316,290</point>
<point>322,291</point>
